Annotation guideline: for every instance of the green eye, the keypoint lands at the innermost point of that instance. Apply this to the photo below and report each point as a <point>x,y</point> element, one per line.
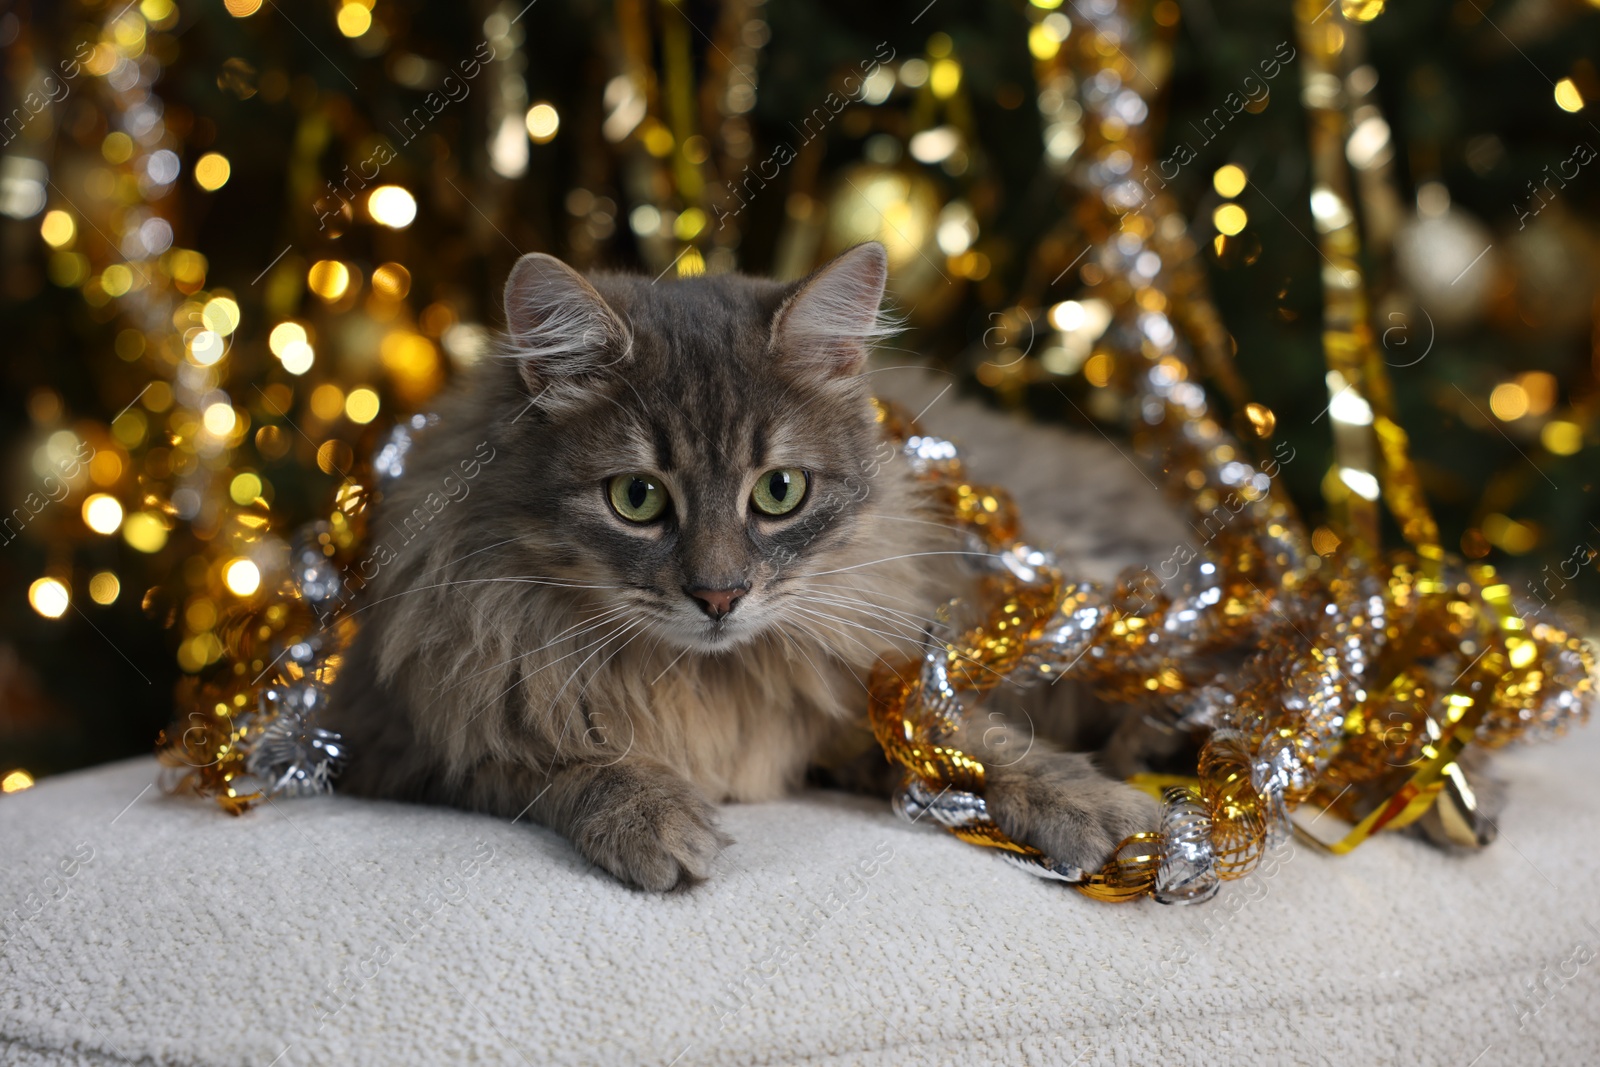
<point>637,497</point>
<point>779,492</point>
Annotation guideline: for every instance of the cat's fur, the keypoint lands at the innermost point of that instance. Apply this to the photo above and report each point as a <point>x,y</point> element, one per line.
<point>528,652</point>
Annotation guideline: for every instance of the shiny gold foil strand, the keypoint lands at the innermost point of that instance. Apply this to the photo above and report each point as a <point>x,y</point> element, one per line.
<point>1372,455</point>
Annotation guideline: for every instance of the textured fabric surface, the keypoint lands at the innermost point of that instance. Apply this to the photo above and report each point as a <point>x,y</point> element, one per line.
<point>152,929</point>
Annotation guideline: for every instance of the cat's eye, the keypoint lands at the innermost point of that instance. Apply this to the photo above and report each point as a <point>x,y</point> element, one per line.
<point>779,492</point>
<point>637,497</point>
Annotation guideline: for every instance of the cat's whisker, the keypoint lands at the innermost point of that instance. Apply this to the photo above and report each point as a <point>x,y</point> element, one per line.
<point>891,617</point>
<point>857,589</point>
<point>822,644</point>
<point>539,579</point>
<point>582,709</point>
<point>1004,678</point>
<point>898,638</point>
<point>597,646</point>
<point>891,559</point>
<point>469,581</point>
<point>874,610</point>
<point>584,688</point>
<point>469,555</point>
<point>588,624</point>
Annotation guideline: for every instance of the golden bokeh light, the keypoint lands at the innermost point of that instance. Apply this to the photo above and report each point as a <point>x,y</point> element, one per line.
<point>297,357</point>
<point>1541,388</point>
<point>361,406</point>
<point>543,122</point>
<point>117,147</point>
<point>241,577</point>
<point>1229,219</point>
<point>1097,369</point>
<point>221,314</point>
<point>945,78</point>
<point>284,334</point>
<point>49,597</point>
<point>1509,402</point>
<point>391,280</point>
<point>242,8</point>
<point>104,588</point>
<point>1567,96</point>
<point>105,468</point>
<point>144,532</point>
<point>116,280</point>
<point>328,278</point>
<point>1042,43</point>
<point>16,781</point>
<point>327,401</point>
<point>211,171</point>
<point>245,487</point>
<point>688,224</point>
<point>57,229</point>
<point>219,419</point>
<point>412,361</point>
<point>392,206</point>
<point>354,19</point>
<point>1561,438</point>
<point>1229,180</point>
<point>102,513</point>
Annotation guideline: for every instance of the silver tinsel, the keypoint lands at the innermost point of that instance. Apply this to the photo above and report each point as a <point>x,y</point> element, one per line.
<point>389,462</point>
<point>313,572</point>
<point>1188,873</point>
<point>292,755</point>
<point>952,807</point>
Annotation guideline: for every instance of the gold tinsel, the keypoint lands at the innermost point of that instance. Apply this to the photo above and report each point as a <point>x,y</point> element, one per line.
<point>1348,678</point>
<point>1355,678</point>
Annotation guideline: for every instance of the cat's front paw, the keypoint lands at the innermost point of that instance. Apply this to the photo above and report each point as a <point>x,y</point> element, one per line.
<point>1061,805</point>
<point>650,829</point>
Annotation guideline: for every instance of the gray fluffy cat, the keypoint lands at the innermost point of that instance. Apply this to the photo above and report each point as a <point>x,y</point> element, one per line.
<point>676,548</point>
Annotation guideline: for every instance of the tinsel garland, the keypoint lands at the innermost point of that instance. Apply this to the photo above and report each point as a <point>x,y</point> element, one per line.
<point>1354,679</point>
<point>1358,678</point>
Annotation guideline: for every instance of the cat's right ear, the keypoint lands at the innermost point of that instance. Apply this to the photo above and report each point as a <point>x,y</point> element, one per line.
<point>561,328</point>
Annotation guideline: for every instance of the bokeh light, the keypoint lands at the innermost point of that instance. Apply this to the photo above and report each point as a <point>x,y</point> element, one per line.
<point>361,406</point>
<point>144,532</point>
<point>1229,180</point>
<point>57,229</point>
<point>49,597</point>
<point>392,206</point>
<point>102,513</point>
<point>104,588</point>
<point>241,577</point>
<point>328,278</point>
<point>542,122</point>
<point>1229,219</point>
<point>211,171</point>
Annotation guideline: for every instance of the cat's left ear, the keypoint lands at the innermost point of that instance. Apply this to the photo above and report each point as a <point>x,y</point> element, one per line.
<point>834,316</point>
<point>562,330</point>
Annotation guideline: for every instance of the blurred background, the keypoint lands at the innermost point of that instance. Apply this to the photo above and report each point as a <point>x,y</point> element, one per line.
<point>242,237</point>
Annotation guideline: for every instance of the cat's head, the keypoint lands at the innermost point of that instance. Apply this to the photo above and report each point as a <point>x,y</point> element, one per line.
<point>710,457</point>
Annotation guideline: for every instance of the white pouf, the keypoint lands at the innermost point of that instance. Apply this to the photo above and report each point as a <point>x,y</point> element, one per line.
<point>154,929</point>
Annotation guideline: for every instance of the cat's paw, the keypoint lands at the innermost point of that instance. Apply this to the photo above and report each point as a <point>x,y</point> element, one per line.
<point>1061,805</point>
<point>653,831</point>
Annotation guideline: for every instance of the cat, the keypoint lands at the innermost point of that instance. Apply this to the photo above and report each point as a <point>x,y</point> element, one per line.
<point>685,547</point>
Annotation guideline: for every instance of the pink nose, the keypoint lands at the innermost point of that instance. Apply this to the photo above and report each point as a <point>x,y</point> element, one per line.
<point>716,602</point>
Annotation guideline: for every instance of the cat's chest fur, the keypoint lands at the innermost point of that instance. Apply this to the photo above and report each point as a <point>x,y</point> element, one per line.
<point>741,726</point>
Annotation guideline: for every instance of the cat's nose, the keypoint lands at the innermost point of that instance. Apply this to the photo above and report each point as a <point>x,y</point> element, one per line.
<point>717,602</point>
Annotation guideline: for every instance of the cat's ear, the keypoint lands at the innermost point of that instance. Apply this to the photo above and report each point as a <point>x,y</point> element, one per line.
<point>834,316</point>
<point>561,328</point>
